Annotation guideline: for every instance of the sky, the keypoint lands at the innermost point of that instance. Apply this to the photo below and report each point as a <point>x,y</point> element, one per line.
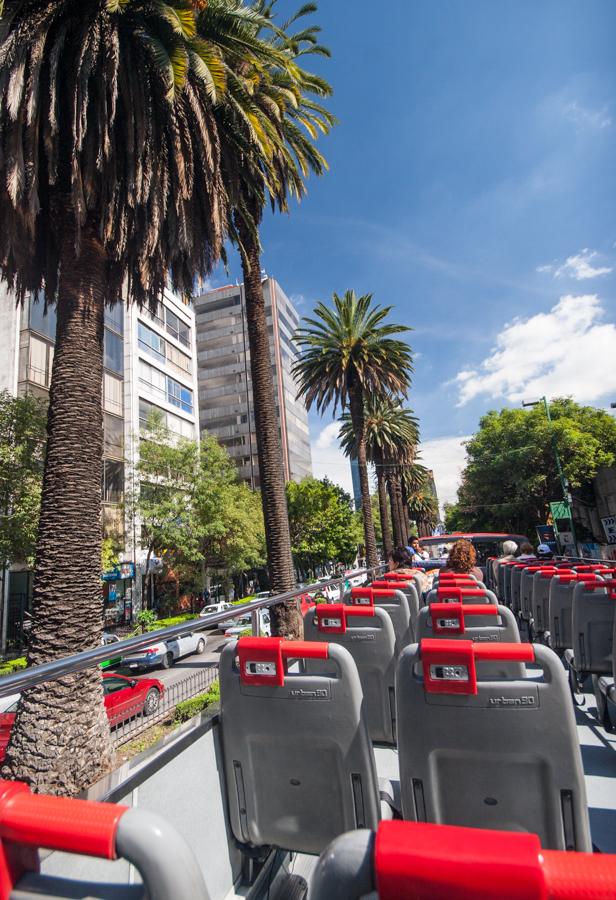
<point>471,187</point>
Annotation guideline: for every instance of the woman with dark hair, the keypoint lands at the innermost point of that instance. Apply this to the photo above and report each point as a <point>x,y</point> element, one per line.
<point>401,561</point>
<point>462,559</point>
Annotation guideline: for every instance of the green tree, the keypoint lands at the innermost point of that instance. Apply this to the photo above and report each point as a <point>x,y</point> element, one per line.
<point>510,474</point>
<point>110,162</point>
<point>323,523</point>
<point>349,354</point>
<point>268,124</point>
<point>194,512</point>
<point>22,455</point>
<point>392,434</point>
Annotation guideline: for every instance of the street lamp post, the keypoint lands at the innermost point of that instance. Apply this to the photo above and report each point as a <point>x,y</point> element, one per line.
<point>561,475</point>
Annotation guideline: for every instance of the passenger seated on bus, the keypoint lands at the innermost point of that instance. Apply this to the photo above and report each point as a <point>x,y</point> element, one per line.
<point>415,549</point>
<point>401,561</point>
<point>544,551</point>
<point>509,552</point>
<point>462,559</point>
<point>526,551</point>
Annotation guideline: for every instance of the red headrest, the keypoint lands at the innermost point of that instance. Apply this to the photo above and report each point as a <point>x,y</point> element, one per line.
<point>261,658</point>
<point>332,617</point>
<point>449,666</point>
<point>456,592</point>
<point>389,585</point>
<point>449,618</point>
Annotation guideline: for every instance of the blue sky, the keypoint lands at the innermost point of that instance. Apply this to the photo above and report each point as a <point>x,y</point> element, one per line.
<point>472,187</point>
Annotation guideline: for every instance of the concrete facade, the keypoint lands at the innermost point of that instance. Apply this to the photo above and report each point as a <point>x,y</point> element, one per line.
<point>226,407</point>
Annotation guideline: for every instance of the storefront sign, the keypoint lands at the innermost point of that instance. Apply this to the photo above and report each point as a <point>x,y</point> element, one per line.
<point>609,526</point>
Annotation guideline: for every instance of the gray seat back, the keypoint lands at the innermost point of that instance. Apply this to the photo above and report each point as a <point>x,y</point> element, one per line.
<point>516,581</point>
<point>561,608</point>
<point>527,585</point>
<point>298,759</point>
<point>592,626</point>
<point>541,597</point>
<point>460,594</point>
<point>414,598</point>
<point>480,623</point>
<point>485,753</point>
<point>397,605</point>
<point>368,634</point>
<point>507,571</point>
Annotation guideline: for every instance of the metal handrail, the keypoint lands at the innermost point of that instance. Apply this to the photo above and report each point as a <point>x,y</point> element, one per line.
<point>14,684</point>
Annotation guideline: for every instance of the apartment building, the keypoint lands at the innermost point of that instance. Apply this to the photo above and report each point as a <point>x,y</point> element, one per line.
<point>226,407</point>
<point>149,365</point>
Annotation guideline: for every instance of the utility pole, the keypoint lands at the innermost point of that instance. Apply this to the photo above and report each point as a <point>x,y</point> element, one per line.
<point>561,475</point>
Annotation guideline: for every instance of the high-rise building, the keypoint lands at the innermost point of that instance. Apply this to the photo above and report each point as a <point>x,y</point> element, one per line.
<point>149,365</point>
<point>226,407</point>
<point>356,483</point>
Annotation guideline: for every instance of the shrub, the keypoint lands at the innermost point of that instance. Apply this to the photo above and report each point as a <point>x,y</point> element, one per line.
<point>172,620</point>
<point>8,666</point>
<point>243,600</point>
<point>189,708</point>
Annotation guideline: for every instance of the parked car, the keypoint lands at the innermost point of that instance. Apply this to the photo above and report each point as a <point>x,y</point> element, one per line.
<point>214,608</point>
<point>109,638</point>
<point>165,653</point>
<point>262,595</point>
<point>124,698</point>
<point>236,626</point>
<point>330,592</point>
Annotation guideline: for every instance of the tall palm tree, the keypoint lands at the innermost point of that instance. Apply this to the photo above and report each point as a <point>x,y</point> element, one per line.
<point>268,122</point>
<point>110,158</point>
<point>348,354</point>
<point>389,428</point>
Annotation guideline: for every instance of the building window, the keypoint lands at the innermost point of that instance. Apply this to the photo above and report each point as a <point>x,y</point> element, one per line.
<point>151,343</point>
<point>113,480</point>
<point>113,522</point>
<point>112,394</point>
<point>179,395</point>
<point>154,379</point>
<point>114,317</point>
<point>114,352</point>
<point>178,360</point>
<point>42,322</point>
<point>114,436</point>
<point>177,328</point>
<point>40,361</point>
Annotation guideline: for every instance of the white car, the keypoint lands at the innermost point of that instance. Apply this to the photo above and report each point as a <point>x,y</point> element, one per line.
<point>165,653</point>
<point>332,591</point>
<point>236,626</point>
<point>215,608</point>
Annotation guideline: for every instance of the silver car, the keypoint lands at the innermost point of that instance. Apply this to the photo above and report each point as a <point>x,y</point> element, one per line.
<point>165,653</point>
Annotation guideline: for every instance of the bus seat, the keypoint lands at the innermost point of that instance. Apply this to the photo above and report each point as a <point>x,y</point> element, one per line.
<point>396,603</point>
<point>497,754</point>
<point>456,593</point>
<point>415,599</point>
<point>527,584</point>
<point>561,606</point>
<point>368,634</point>
<point>592,627</point>
<point>541,599</point>
<point>298,759</point>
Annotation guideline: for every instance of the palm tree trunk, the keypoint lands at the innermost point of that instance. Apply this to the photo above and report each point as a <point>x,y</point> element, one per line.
<point>60,740</point>
<point>382,490</point>
<point>404,497</point>
<point>398,529</point>
<point>356,408</point>
<point>285,618</point>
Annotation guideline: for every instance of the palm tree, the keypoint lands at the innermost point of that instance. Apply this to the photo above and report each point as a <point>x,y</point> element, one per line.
<point>268,122</point>
<point>110,158</point>
<point>389,428</point>
<point>349,354</point>
<point>419,499</point>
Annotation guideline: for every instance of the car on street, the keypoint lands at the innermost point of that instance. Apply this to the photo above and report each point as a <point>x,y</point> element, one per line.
<point>236,626</point>
<point>215,608</point>
<point>124,699</point>
<point>108,639</point>
<point>330,592</point>
<point>165,653</point>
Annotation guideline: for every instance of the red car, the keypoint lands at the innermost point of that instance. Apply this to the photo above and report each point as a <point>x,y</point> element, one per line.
<point>124,698</point>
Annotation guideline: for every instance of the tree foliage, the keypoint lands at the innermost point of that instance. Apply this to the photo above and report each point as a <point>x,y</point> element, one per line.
<point>511,475</point>
<point>193,510</point>
<point>324,525</point>
<point>22,452</point>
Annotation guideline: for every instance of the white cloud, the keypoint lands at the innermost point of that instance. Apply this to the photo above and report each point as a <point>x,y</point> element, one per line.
<point>567,351</point>
<point>446,457</point>
<point>328,437</point>
<point>585,117</point>
<point>579,267</point>
<point>328,460</point>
